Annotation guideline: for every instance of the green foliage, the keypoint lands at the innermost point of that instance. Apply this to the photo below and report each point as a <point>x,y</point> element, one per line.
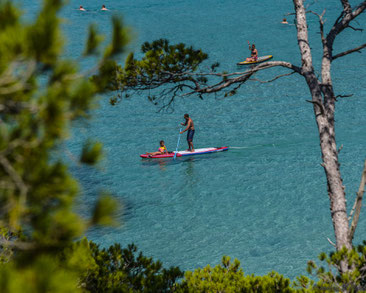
<point>161,64</point>
<point>91,153</point>
<point>6,251</point>
<point>43,38</point>
<point>120,270</point>
<point>106,80</point>
<point>229,277</point>
<point>329,277</point>
<point>8,14</point>
<point>40,95</point>
<point>93,41</point>
<point>120,38</point>
<point>44,275</point>
<point>103,211</point>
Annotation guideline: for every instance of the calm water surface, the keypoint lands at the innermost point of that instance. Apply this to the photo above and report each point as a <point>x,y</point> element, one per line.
<point>263,202</point>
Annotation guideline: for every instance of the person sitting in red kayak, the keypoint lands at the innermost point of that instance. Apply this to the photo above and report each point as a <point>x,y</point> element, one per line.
<point>162,150</point>
<point>254,53</point>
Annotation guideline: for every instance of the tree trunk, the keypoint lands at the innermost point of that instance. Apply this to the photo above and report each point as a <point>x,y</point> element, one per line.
<point>324,107</point>
<point>325,121</point>
<point>334,181</point>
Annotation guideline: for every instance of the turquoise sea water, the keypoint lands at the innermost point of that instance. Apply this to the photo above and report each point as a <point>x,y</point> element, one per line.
<point>264,201</point>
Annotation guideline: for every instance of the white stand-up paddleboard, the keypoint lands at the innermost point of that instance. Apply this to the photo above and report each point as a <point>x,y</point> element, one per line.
<point>186,153</point>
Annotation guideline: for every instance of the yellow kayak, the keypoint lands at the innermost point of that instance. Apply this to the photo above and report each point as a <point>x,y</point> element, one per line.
<point>259,60</point>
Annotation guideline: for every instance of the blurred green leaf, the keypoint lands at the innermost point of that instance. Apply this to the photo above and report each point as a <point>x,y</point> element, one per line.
<point>104,211</point>
<point>93,42</point>
<point>91,152</point>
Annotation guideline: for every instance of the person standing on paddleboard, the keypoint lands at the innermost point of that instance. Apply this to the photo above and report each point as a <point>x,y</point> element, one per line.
<point>190,128</point>
<point>254,53</point>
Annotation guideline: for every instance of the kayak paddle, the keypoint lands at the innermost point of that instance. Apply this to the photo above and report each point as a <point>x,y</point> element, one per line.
<point>175,154</point>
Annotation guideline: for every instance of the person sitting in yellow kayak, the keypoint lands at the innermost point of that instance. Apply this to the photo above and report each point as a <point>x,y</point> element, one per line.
<point>162,150</point>
<point>254,53</point>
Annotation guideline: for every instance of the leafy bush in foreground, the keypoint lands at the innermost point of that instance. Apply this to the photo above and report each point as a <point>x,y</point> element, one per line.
<point>328,276</point>
<point>229,277</point>
<point>123,270</point>
<point>41,94</point>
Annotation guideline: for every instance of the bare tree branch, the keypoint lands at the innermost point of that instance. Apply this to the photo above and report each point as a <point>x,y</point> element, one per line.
<point>331,242</point>
<point>17,76</point>
<point>355,28</point>
<point>346,6</point>
<point>358,204</point>
<point>273,79</point>
<point>320,105</point>
<point>17,244</point>
<point>321,24</point>
<point>13,175</point>
<point>340,148</point>
<point>17,179</point>
<point>245,76</point>
<point>344,96</point>
<point>358,49</point>
<point>343,20</point>
<point>14,107</point>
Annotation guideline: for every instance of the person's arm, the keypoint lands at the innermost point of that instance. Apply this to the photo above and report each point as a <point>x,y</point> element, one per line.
<point>188,125</point>
<point>249,46</point>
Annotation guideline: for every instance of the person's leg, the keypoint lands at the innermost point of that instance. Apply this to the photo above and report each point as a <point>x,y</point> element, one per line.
<point>190,140</point>
<point>188,136</point>
<point>191,146</point>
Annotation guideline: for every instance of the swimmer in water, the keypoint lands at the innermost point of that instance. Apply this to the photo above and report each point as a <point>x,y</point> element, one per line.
<point>284,21</point>
<point>82,8</point>
<point>103,7</point>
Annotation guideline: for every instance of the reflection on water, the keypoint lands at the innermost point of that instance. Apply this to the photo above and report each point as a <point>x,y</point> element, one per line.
<point>153,162</point>
<point>191,177</point>
<point>162,163</point>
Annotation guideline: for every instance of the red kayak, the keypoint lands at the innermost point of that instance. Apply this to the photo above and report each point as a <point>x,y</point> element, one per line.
<point>187,153</point>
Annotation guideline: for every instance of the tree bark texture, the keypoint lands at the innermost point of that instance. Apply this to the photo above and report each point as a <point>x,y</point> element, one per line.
<point>358,203</point>
<point>324,106</point>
